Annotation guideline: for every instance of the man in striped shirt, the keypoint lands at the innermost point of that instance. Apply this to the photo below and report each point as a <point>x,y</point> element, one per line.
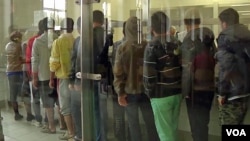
<point>162,77</point>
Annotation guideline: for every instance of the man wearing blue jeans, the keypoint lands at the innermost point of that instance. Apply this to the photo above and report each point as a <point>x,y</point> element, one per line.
<point>99,99</point>
<point>75,85</point>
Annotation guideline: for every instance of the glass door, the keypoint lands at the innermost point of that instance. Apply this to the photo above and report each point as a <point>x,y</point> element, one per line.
<point>103,117</point>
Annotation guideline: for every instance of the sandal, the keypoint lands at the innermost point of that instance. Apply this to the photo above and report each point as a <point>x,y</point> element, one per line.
<point>47,130</point>
<point>66,136</point>
<point>63,128</point>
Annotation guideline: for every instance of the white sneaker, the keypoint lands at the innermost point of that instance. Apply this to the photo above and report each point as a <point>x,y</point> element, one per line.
<point>36,123</point>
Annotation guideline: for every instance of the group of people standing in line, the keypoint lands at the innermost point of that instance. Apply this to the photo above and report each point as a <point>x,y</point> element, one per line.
<point>153,76</point>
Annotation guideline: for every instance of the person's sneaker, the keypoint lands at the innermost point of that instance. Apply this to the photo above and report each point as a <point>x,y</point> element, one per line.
<point>77,138</point>
<point>47,130</point>
<point>30,117</point>
<point>18,117</point>
<point>37,124</point>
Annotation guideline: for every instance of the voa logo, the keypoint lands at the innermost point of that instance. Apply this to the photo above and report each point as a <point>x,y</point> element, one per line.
<point>236,132</point>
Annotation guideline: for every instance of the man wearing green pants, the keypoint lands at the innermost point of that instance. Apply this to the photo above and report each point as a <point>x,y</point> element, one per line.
<point>162,77</point>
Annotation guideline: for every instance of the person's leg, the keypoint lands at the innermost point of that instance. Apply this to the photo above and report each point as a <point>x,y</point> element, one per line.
<point>176,113</point>
<point>233,112</point>
<point>51,119</point>
<point>148,116</point>
<point>199,116</point>
<point>27,105</point>
<point>65,106</point>
<point>166,124</point>
<point>1,128</point>
<point>62,123</point>
<point>26,96</point>
<point>37,106</point>
<point>133,117</point>
<point>76,112</point>
<point>13,81</point>
<point>119,120</point>
<point>103,115</point>
<point>69,123</point>
<point>97,116</point>
<point>48,104</point>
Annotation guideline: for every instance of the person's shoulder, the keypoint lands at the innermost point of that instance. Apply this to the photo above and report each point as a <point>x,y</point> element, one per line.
<point>98,29</point>
<point>31,39</point>
<point>9,44</point>
<point>78,38</point>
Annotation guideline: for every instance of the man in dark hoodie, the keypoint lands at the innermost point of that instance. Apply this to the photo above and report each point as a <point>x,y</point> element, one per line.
<point>233,57</point>
<point>128,84</point>
<point>118,110</point>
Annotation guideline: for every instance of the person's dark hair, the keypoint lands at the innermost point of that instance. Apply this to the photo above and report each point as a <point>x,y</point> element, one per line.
<point>123,28</point>
<point>192,17</point>
<point>229,16</point>
<point>160,22</point>
<point>98,16</point>
<point>41,27</point>
<point>16,36</point>
<point>45,22</point>
<point>78,23</point>
<point>67,24</point>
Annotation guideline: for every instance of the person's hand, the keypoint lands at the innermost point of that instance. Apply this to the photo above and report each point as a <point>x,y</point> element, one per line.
<point>122,100</point>
<point>34,83</point>
<point>221,100</point>
<point>51,83</point>
<point>71,87</point>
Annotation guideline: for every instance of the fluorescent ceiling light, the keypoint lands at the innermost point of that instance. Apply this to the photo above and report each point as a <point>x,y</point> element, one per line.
<point>246,11</point>
<point>240,5</point>
<point>245,14</point>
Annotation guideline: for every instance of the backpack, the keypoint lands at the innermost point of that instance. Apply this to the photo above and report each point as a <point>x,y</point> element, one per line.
<point>202,68</point>
<point>199,73</point>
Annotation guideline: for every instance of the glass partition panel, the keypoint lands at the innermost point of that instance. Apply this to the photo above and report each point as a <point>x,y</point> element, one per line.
<point>119,70</point>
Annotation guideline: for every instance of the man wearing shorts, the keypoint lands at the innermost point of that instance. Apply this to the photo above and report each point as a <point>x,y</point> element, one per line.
<point>60,65</point>
<point>41,76</point>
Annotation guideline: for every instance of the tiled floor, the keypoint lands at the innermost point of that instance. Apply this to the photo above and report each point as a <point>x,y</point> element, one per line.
<point>24,131</point>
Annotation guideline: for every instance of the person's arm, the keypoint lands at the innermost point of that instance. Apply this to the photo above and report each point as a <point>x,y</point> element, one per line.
<point>73,70</point>
<point>119,79</point>
<point>51,80</point>
<point>28,53</point>
<point>149,69</point>
<point>54,61</point>
<point>35,58</point>
<point>119,75</point>
<point>225,59</point>
<point>73,61</point>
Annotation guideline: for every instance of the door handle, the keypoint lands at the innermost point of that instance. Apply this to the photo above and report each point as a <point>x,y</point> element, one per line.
<point>90,76</point>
